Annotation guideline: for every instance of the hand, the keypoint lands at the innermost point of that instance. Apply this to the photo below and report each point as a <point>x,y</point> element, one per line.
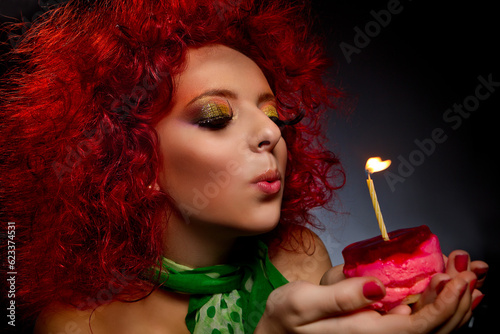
<point>303,307</point>
<point>459,261</point>
<point>339,305</point>
<point>458,266</point>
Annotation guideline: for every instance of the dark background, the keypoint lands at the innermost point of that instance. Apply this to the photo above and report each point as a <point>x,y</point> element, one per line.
<point>426,59</point>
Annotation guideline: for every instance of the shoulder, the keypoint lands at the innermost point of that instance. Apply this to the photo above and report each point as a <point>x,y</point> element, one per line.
<point>60,318</point>
<point>303,258</point>
<point>143,315</point>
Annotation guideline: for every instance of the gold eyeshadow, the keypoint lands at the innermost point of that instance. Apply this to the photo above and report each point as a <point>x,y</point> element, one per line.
<point>214,114</point>
<point>270,111</point>
<point>215,110</point>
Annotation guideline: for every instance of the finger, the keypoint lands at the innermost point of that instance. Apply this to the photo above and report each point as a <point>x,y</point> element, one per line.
<point>458,261</point>
<point>442,313</point>
<point>436,285</point>
<point>471,295</point>
<point>446,313</point>
<point>402,309</point>
<point>349,295</point>
<point>333,275</point>
<point>302,302</point>
<point>365,321</point>
<point>479,268</point>
<point>463,312</point>
<point>342,298</point>
<point>477,297</point>
<point>369,321</point>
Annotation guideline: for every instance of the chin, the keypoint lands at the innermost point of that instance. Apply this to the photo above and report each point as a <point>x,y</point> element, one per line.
<point>262,223</point>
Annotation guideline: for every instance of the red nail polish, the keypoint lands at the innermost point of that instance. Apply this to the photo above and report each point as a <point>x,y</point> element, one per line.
<point>476,302</point>
<point>472,285</point>
<point>481,273</point>
<point>373,291</point>
<point>461,262</point>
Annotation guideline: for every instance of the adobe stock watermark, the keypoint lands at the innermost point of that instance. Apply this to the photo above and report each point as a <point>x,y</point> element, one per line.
<point>210,190</point>
<point>454,118</point>
<point>363,36</point>
<point>106,295</point>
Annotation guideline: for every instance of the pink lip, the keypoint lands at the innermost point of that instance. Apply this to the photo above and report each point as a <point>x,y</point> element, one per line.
<point>269,182</point>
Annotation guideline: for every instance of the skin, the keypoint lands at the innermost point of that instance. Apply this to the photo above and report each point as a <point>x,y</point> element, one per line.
<point>319,299</point>
<point>336,305</point>
<point>209,173</point>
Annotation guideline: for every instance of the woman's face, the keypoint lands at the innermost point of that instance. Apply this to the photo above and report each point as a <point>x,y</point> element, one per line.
<point>223,156</point>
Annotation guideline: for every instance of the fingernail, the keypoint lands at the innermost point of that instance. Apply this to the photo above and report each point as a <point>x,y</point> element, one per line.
<point>476,302</point>
<point>441,285</point>
<point>472,285</point>
<point>461,262</point>
<point>373,291</point>
<point>481,273</point>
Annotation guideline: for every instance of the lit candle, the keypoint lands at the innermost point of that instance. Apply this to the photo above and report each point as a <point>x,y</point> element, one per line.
<point>376,165</point>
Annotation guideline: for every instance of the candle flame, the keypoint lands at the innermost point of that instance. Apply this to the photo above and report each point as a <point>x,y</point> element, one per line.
<point>376,164</point>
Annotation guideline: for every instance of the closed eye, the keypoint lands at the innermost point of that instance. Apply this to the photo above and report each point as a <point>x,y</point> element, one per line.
<point>214,114</point>
<point>271,112</point>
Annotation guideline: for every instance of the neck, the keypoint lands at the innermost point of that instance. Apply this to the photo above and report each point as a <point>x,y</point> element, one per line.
<point>196,245</point>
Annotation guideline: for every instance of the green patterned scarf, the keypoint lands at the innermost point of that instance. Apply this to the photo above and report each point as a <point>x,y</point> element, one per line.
<point>224,298</point>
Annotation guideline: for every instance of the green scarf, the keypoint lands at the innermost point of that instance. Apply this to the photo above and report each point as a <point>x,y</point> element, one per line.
<point>224,298</point>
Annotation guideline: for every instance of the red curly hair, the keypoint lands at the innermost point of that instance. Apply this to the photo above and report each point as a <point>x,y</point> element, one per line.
<point>78,145</point>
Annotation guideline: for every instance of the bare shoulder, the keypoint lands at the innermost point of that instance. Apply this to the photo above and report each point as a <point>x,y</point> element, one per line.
<point>146,315</point>
<point>59,318</point>
<point>302,262</point>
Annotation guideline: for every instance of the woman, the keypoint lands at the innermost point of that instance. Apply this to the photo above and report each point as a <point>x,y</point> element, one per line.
<point>185,134</point>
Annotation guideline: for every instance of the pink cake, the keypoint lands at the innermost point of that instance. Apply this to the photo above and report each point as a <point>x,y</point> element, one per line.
<point>405,264</point>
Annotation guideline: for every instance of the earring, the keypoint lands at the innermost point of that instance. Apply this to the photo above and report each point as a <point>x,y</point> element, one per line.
<point>154,186</point>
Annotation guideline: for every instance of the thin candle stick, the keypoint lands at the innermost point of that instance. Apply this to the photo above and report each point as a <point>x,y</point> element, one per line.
<point>376,207</point>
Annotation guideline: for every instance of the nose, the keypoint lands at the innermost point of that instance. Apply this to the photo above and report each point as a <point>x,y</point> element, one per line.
<point>265,135</point>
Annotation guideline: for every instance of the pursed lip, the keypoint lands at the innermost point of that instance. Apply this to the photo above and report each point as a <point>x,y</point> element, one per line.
<point>270,175</point>
<point>269,182</point>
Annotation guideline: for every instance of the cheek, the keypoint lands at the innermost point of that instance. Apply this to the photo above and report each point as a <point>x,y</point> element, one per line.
<point>282,155</point>
<point>204,187</point>
<point>193,168</point>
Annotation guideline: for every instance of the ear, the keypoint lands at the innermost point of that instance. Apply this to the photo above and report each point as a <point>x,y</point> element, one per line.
<point>154,186</point>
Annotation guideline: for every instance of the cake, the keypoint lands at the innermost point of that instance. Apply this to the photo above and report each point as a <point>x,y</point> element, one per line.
<point>405,263</point>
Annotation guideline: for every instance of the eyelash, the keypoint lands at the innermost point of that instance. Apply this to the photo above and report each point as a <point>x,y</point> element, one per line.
<point>215,115</point>
<point>272,114</point>
<point>221,118</point>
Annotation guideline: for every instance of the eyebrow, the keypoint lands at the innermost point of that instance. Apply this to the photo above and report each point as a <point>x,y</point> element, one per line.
<point>263,97</point>
<point>266,97</point>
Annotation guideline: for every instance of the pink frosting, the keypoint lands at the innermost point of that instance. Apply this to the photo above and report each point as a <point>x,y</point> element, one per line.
<point>403,274</point>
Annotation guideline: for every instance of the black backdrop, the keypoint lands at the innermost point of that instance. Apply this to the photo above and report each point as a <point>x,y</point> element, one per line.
<point>407,75</point>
